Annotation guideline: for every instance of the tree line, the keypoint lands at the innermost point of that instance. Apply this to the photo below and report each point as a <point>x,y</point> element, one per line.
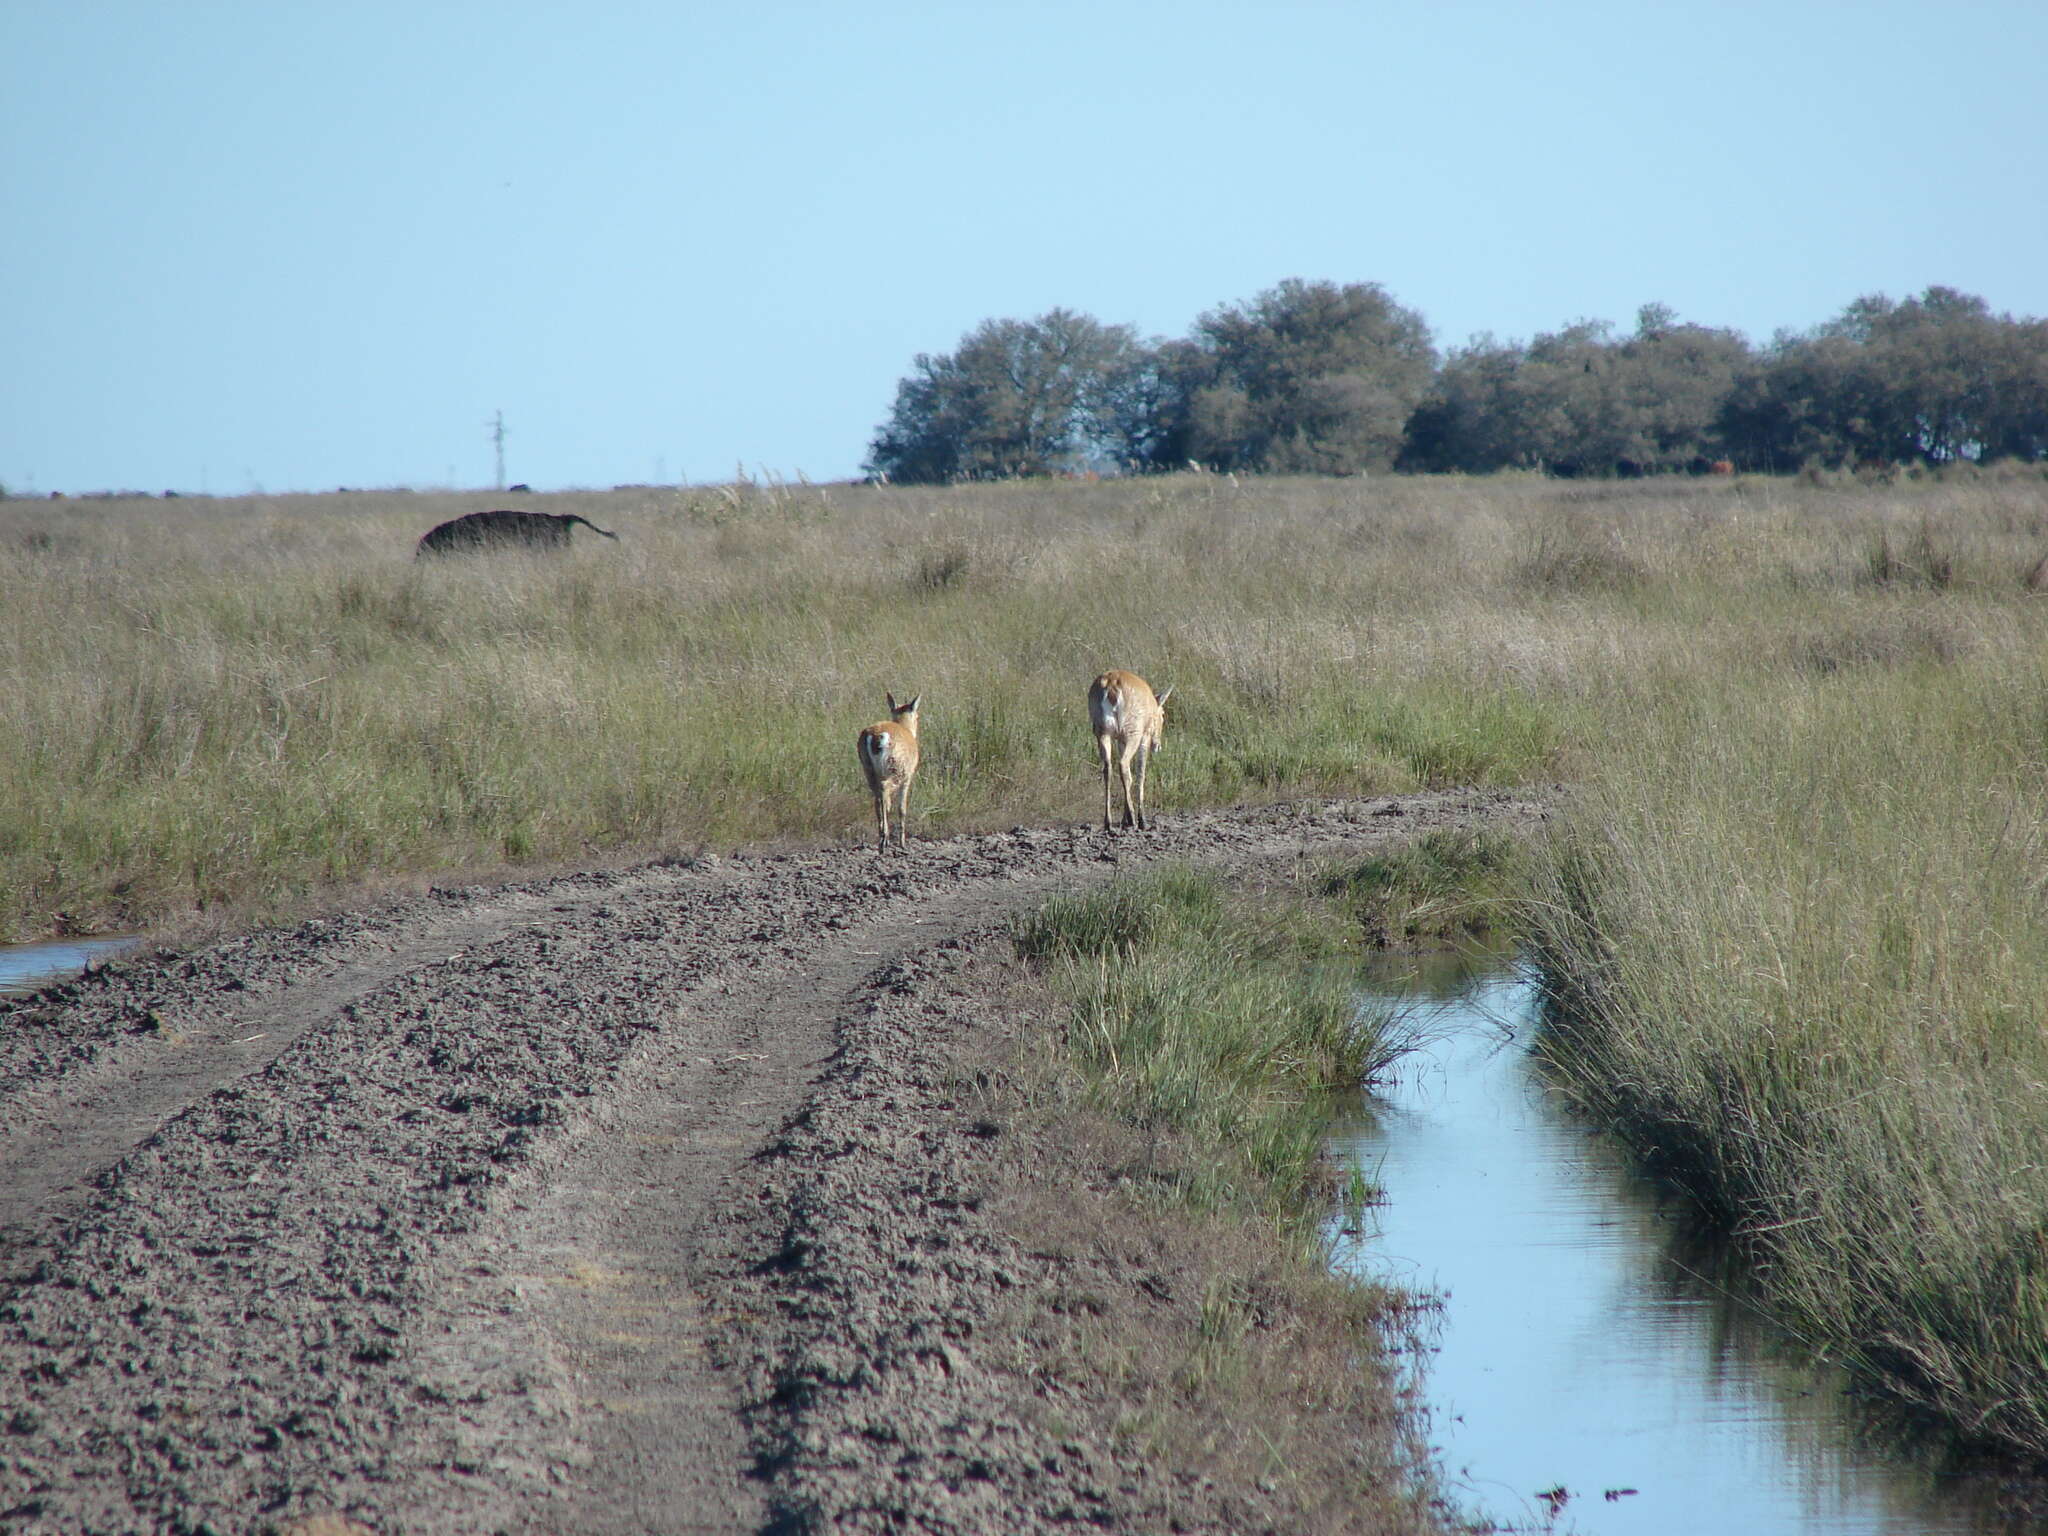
<point>1321,377</point>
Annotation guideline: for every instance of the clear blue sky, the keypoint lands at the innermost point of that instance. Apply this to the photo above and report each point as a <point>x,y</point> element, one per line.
<point>293,246</point>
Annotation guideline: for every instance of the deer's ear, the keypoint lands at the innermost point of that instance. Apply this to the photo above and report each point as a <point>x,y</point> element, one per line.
<point>915,700</point>
<point>1164,697</point>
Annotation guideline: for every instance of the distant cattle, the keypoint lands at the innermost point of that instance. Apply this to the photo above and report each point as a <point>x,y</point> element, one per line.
<point>504,530</point>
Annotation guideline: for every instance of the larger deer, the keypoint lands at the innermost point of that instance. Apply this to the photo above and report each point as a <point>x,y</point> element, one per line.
<point>1127,719</point>
<point>888,756</point>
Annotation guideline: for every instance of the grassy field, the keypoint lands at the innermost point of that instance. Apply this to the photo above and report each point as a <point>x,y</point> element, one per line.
<point>1795,916</point>
<point>244,706</point>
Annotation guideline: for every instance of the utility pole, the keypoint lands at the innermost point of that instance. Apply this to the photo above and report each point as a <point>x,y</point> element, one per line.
<point>498,442</point>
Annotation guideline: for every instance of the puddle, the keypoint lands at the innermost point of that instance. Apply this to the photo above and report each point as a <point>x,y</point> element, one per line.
<point>1579,1348</point>
<point>25,967</point>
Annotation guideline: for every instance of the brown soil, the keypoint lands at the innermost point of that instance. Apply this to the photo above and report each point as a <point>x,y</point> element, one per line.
<point>618,1202</point>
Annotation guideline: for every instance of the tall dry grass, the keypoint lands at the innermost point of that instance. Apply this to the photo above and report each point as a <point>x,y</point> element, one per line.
<point>238,704</point>
<point>1796,933</point>
<point>1799,934</point>
<point>241,704</point>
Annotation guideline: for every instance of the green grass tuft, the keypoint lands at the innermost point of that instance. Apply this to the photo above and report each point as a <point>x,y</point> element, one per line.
<point>1215,1021</point>
<point>1445,888</point>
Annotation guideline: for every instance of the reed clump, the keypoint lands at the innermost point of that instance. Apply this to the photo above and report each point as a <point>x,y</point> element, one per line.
<point>1192,1015</point>
<point>1448,889</point>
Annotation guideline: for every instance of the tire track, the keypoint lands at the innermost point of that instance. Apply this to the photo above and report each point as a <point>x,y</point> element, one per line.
<point>58,1134</point>
<point>436,1261</point>
<point>597,1284</point>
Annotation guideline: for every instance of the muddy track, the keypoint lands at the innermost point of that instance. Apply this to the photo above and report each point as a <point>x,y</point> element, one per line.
<point>500,1209</point>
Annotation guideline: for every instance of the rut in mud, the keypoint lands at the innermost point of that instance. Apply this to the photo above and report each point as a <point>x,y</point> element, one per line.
<point>620,1202</point>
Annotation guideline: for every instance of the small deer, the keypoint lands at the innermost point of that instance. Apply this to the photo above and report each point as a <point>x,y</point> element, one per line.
<point>1127,720</point>
<point>888,756</point>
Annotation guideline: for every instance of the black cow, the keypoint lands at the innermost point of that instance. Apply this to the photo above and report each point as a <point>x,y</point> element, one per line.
<point>504,530</point>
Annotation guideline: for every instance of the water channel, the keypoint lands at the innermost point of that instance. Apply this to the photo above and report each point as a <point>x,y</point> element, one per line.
<point>1580,1348</point>
<point>25,967</point>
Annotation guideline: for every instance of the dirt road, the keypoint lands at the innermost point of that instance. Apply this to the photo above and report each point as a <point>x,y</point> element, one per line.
<point>617,1203</point>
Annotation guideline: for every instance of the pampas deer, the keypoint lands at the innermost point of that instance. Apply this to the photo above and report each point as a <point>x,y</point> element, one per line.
<point>1127,720</point>
<point>888,756</point>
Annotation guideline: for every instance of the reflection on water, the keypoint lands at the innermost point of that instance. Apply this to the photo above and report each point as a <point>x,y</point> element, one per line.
<point>24,967</point>
<point>1580,1347</point>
